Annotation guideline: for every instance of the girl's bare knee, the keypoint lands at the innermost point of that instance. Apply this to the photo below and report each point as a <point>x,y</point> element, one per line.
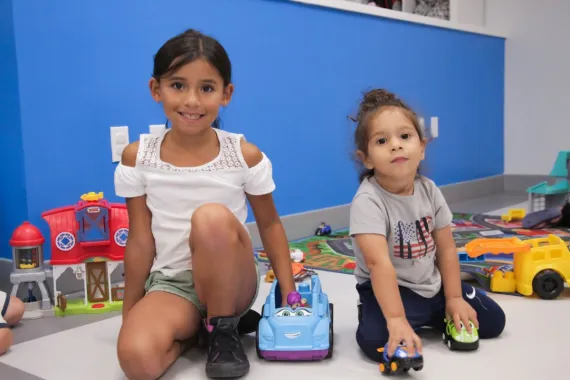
<point>213,224</point>
<point>6,340</point>
<point>213,215</point>
<point>15,312</point>
<point>139,356</point>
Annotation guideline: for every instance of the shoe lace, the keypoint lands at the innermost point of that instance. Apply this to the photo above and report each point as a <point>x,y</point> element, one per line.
<point>224,343</point>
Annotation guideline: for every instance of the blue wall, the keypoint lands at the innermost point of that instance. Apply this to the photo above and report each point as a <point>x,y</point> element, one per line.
<point>299,71</point>
<point>13,207</point>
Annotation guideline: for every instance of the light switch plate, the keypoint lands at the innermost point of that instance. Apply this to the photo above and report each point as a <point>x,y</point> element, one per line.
<point>119,140</point>
<point>434,127</point>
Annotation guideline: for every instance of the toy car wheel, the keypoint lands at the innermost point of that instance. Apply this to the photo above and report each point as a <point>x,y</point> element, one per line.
<point>331,333</point>
<point>394,367</point>
<point>444,337</point>
<point>548,284</point>
<point>418,368</point>
<point>450,344</point>
<point>384,369</point>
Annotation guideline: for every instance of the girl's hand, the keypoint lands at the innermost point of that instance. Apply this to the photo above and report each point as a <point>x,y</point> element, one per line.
<point>461,312</point>
<point>400,331</point>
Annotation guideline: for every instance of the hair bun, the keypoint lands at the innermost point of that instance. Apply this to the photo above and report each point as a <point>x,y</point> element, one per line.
<point>374,99</point>
<point>379,97</point>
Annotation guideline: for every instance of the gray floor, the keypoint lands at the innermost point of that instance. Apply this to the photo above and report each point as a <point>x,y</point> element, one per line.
<point>29,331</point>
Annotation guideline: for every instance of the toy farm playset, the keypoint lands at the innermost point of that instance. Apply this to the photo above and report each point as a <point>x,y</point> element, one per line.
<point>88,239</point>
<point>543,196</point>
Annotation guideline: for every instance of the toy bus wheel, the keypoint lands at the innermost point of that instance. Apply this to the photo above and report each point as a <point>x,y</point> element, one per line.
<point>548,284</point>
<point>331,333</point>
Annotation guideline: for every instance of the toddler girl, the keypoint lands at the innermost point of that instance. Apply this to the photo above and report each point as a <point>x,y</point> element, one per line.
<point>407,267</point>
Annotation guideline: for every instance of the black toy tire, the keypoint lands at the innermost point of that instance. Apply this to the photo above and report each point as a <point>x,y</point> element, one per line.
<point>257,350</point>
<point>548,284</point>
<point>398,369</point>
<point>387,369</point>
<point>418,368</point>
<point>331,333</point>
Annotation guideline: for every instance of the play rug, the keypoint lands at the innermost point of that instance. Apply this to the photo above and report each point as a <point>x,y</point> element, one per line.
<point>334,252</point>
<point>331,253</point>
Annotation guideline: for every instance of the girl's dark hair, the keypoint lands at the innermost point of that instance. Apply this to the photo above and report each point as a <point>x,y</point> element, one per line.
<point>188,47</point>
<point>373,102</point>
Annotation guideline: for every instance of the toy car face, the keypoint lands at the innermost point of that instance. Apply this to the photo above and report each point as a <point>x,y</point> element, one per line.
<point>288,312</point>
<point>289,324</point>
<point>402,352</point>
<point>462,336</point>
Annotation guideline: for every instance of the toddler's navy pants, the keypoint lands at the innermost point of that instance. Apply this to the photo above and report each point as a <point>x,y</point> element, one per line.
<point>372,332</point>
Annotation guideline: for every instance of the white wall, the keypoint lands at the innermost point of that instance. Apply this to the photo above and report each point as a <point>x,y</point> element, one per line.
<point>537,81</point>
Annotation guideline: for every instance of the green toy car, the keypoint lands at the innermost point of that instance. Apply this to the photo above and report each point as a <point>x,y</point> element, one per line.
<point>462,340</point>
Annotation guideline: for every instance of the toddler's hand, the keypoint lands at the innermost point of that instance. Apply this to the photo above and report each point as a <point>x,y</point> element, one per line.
<point>461,312</point>
<point>400,331</point>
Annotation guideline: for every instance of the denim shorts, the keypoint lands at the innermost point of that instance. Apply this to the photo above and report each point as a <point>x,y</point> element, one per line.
<point>182,285</point>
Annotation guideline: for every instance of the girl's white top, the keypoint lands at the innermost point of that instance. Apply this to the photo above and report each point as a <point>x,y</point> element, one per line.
<point>173,193</point>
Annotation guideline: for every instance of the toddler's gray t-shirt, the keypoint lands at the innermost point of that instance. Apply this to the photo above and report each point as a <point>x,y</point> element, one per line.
<point>407,222</point>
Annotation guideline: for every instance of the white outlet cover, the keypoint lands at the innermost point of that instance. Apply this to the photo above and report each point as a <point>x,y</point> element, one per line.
<point>119,140</point>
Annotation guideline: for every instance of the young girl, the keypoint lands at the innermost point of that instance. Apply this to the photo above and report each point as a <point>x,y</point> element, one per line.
<point>11,312</point>
<point>189,255</point>
<point>407,265</point>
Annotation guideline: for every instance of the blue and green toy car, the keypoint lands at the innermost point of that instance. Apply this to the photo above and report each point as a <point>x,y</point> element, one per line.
<point>402,360</point>
<point>460,340</point>
<point>301,334</point>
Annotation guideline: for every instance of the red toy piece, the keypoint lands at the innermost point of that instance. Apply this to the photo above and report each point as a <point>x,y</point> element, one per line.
<point>91,228</point>
<point>90,238</point>
<point>26,235</point>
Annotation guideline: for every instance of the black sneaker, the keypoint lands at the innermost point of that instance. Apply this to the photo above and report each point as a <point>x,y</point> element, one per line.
<point>248,322</point>
<point>226,357</point>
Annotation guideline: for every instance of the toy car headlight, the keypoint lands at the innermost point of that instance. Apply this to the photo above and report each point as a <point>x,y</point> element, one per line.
<point>401,353</point>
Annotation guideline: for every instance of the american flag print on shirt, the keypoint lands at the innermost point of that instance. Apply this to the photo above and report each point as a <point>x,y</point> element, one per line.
<point>412,240</point>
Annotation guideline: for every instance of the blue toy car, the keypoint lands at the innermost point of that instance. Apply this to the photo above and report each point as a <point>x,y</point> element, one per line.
<point>300,334</point>
<point>323,230</point>
<point>401,361</point>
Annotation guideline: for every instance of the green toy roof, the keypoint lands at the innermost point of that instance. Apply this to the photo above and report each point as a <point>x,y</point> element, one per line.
<point>560,168</point>
<point>561,187</point>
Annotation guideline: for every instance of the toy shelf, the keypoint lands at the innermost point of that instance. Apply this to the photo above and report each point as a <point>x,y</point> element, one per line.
<point>464,15</point>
